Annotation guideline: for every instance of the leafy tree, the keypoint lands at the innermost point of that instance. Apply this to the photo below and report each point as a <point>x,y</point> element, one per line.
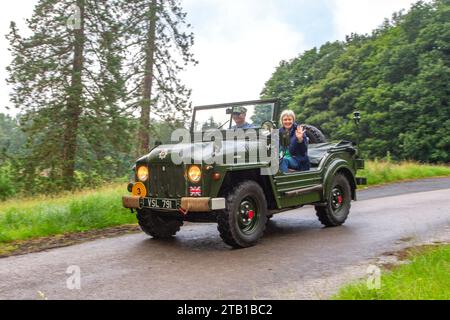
<point>12,139</point>
<point>67,80</point>
<point>210,124</point>
<point>262,113</point>
<point>398,77</point>
<point>159,47</point>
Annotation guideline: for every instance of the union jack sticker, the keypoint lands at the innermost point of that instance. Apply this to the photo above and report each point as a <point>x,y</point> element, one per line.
<point>195,191</point>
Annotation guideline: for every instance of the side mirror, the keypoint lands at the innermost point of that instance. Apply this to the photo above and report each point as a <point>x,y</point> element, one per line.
<point>268,125</point>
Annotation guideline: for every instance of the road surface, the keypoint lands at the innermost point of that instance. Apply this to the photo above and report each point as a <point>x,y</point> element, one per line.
<point>296,259</point>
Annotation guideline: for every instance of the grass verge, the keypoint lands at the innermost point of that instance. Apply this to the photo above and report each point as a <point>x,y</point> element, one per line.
<point>426,277</point>
<point>44,216</point>
<point>380,172</point>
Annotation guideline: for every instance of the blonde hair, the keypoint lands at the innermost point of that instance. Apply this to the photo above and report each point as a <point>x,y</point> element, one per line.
<point>287,113</point>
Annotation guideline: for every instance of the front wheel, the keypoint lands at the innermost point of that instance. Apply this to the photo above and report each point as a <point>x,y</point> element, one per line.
<point>158,227</point>
<point>243,221</point>
<point>336,211</point>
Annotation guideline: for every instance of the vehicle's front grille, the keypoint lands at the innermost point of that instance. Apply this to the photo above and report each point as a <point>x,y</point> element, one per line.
<point>166,181</point>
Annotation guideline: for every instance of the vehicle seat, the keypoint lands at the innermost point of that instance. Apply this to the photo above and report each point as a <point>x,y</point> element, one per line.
<point>317,151</point>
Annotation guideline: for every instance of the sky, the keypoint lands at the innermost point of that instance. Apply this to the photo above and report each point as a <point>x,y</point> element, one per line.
<point>239,43</point>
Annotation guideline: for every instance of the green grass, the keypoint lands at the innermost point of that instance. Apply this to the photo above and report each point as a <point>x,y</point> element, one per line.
<point>379,172</point>
<point>426,277</point>
<point>44,216</point>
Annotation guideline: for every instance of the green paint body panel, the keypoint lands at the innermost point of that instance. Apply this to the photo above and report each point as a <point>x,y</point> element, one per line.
<point>168,180</point>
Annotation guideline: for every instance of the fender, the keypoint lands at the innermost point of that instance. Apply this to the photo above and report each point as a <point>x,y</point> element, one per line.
<point>333,167</point>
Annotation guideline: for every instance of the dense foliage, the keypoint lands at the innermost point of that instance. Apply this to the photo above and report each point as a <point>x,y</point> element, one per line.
<point>15,157</point>
<point>158,45</point>
<point>67,82</point>
<point>398,78</point>
<point>80,79</point>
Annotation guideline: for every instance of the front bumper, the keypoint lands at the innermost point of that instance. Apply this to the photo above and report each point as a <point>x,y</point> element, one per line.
<point>186,204</point>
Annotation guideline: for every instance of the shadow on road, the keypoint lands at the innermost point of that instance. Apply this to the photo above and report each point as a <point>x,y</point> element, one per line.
<point>286,229</point>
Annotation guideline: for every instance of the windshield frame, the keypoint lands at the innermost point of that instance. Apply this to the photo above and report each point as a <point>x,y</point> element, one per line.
<point>237,104</point>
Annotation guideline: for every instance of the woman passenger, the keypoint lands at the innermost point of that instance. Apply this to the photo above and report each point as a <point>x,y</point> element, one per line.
<point>296,155</point>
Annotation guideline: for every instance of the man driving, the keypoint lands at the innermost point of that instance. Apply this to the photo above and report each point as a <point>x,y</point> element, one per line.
<point>238,115</point>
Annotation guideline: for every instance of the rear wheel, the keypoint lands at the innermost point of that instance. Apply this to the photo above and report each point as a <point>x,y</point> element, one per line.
<point>157,226</point>
<point>243,221</point>
<point>336,211</point>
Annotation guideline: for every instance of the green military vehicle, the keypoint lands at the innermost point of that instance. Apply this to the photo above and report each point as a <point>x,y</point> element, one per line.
<point>231,179</point>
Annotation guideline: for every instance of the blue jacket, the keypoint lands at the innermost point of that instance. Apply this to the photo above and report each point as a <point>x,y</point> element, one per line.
<point>244,126</point>
<point>296,149</point>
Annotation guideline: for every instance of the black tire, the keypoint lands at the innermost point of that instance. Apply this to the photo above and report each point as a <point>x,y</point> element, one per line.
<point>157,226</point>
<point>314,134</point>
<point>243,221</point>
<point>337,209</point>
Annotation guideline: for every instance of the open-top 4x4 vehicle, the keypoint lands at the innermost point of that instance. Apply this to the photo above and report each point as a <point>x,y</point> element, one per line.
<point>220,173</point>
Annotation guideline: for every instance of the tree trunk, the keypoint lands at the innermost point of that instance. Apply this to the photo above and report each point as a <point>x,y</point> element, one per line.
<point>146,102</point>
<point>74,106</point>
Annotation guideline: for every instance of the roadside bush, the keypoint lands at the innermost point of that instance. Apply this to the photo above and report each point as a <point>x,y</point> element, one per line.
<point>7,188</point>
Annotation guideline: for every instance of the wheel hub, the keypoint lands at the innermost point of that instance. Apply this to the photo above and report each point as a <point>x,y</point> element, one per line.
<point>247,215</point>
<point>337,197</point>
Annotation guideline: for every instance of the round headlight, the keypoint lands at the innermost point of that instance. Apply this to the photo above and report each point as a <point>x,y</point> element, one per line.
<point>194,174</point>
<point>142,173</point>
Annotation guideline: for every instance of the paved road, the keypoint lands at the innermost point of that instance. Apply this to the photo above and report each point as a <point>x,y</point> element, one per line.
<point>296,259</point>
<point>394,189</point>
